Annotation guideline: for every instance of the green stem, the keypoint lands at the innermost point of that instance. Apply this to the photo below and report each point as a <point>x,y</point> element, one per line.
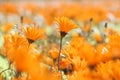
<point>59,53</point>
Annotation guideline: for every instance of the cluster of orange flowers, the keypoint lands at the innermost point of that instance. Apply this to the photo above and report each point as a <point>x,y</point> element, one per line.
<point>77,60</point>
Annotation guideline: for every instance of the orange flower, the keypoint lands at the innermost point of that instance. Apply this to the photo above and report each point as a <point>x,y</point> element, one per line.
<point>33,33</point>
<point>65,25</point>
<point>110,31</point>
<point>105,70</point>
<point>79,47</point>
<point>114,38</point>
<point>47,60</point>
<point>18,40</point>
<point>15,40</point>
<point>97,37</point>
<point>12,42</point>
<point>8,8</point>
<point>86,28</point>
<point>54,53</point>
<point>66,66</point>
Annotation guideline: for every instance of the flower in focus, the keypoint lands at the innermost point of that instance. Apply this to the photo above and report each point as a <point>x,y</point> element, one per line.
<point>65,25</point>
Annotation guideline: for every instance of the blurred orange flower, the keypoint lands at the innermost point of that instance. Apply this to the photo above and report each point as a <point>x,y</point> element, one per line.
<point>97,37</point>
<point>8,26</point>
<point>12,42</point>
<point>54,53</point>
<point>86,28</point>
<point>27,20</point>
<point>66,66</point>
<point>9,8</point>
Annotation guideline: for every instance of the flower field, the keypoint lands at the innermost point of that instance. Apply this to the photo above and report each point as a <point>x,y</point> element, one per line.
<point>60,40</point>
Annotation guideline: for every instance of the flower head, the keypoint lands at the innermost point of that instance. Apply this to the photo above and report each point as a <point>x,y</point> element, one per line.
<point>65,25</point>
<point>33,33</point>
<point>13,42</point>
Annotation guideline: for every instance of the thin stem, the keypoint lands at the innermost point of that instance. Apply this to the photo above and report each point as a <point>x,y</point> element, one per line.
<point>59,53</point>
<point>4,70</point>
<point>21,19</point>
<point>90,22</point>
<point>7,68</point>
